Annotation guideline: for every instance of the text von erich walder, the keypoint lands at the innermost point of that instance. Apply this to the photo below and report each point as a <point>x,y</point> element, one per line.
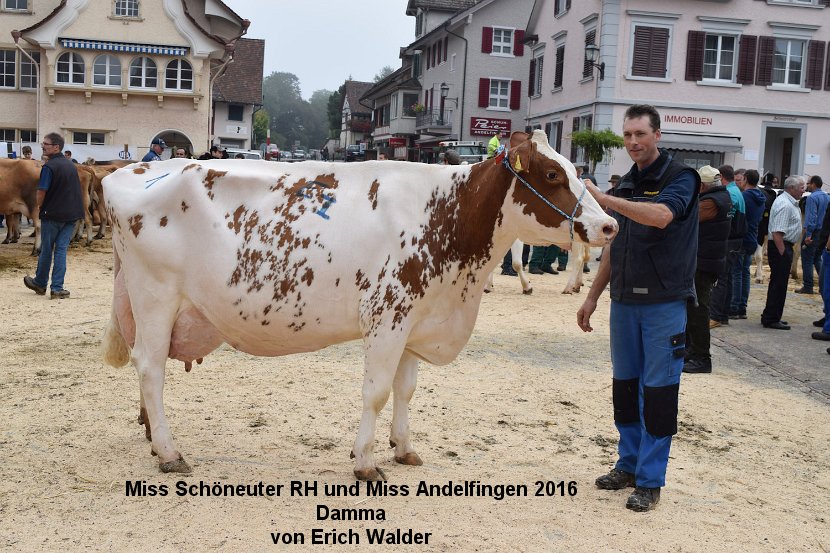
<point>304,488</point>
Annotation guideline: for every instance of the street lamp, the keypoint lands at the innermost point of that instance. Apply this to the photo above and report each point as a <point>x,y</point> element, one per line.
<point>592,56</point>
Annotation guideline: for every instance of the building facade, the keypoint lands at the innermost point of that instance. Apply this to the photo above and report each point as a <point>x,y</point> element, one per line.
<point>237,95</point>
<point>111,75</point>
<point>744,82</point>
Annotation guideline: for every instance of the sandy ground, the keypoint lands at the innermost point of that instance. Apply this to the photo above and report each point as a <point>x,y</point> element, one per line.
<point>528,400</point>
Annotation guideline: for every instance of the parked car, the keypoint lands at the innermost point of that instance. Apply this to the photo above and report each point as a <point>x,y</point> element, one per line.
<point>285,155</point>
<point>469,151</point>
<point>299,155</point>
<point>354,153</point>
<point>249,154</point>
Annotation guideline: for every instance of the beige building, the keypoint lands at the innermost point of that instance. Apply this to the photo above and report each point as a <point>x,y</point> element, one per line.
<point>111,75</point>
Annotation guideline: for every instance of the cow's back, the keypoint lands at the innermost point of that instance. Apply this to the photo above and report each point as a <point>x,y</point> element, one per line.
<point>277,257</point>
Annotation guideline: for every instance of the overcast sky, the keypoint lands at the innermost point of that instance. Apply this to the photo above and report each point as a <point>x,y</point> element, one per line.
<point>322,42</point>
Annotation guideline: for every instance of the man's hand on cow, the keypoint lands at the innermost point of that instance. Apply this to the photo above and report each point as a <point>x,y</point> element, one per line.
<point>583,316</point>
<point>598,194</point>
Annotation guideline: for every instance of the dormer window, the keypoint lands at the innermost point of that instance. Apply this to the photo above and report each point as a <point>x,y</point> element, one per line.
<point>126,8</point>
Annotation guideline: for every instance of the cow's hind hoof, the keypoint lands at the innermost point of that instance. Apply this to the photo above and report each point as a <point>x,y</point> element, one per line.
<point>527,292</point>
<point>412,459</point>
<point>369,474</point>
<point>179,465</point>
<point>98,236</point>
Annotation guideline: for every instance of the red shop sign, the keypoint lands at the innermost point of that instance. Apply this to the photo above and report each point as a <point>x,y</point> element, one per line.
<point>396,142</point>
<point>484,126</point>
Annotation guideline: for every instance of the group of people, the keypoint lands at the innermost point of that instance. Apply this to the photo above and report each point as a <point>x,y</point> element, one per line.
<point>157,147</point>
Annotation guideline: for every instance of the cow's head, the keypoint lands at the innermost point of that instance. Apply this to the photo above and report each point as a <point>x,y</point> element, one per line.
<point>552,203</point>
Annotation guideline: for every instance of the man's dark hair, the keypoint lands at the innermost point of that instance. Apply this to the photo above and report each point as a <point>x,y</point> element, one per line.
<point>55,138</point>
<point>751,177</point>
<point>816,180</point>
<point>586,169</point>
<point>67,153</point>
<point>727,172</point>
<point>639,110</point>
<point>740,171</point>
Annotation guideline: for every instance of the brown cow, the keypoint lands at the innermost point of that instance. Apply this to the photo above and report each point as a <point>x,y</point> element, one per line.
<point>18,194</point>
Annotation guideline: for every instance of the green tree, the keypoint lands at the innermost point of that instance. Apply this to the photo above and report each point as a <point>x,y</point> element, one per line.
<point>291,118</point>
<point>597,144</point>
<point>383,73</point>
<point>261,120</point>
<point>335,111</point>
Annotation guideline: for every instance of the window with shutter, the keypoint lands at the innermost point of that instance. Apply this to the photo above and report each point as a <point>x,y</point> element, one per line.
<point>574,128</point>
<point>746,59</point>
<point>428,57</point>
<point>815,64</point>
<point>559,72</point>
<point>446,44</point>
<point>440,46</point>
<point>766,47</point>
<point>694,55</point>
<point>540,66</point>
<point>587,66</point>
<point>531,79</point>
<point>486,40</point>
<point>515,95</point>
<point>651,50</point>
<point>788,62</point>
<point>719,57</point>
<point>518,41</point>
<point>499,94</point>
<point>827,70</point>
<point>502,41</point>
<point>483,93</point>
<point>556,135</point>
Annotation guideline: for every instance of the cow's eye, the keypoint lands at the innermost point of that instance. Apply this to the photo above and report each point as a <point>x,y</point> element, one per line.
<point>551,175</point>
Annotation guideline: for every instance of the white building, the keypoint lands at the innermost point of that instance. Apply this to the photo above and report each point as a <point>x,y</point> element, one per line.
<point>744,82</point>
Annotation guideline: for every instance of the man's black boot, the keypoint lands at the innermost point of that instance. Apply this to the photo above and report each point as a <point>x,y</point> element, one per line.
<point>615,480</point>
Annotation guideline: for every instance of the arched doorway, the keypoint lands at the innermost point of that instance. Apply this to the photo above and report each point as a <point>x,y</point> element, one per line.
<point>175,139</point>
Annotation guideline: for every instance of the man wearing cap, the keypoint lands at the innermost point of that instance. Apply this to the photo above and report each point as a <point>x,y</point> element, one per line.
<point>715,203</point>
<point>156,148</point>
<point>451,157</point>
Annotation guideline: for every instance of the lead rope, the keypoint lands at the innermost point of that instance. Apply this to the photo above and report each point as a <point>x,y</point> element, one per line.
<point>570,218</point>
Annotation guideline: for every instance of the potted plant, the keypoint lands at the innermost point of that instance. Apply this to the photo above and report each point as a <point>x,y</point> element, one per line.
<point>418,107</point>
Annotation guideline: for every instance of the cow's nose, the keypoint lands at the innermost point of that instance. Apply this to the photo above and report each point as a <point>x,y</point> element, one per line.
<point>609,230</point>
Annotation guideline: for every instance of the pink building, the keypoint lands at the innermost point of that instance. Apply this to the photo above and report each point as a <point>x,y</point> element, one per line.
<point>744,82</point>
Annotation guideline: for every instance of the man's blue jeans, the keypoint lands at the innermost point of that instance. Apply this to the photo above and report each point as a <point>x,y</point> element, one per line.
<point>740,283</point>
<point>811,256</point>
<point>54,241</point>
<point>647,346</point>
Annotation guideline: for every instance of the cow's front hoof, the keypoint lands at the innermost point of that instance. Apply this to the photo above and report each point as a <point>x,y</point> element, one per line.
<point>412,459</point>
<point>98,236</point>
<point>369,474</point>
<point>527,292</point>
<point>487,290</point>
<point>179,465</point>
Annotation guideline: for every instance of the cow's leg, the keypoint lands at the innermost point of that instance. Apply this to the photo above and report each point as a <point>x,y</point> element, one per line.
<point>378,375</point>
<point>154,328</point>
<point>516,253</point>
<point>36,220</point>
<point>574,283</point>
<point>759,262</point>
<point>490,283</point>
<point>102,214</point>
<point>406,378</point>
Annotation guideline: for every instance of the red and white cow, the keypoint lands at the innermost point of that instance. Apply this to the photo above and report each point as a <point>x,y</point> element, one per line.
<point>277,258</point>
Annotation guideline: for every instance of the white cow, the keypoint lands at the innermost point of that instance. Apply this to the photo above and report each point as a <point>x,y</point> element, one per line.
<point>277,258</point>
<point>516,254</point>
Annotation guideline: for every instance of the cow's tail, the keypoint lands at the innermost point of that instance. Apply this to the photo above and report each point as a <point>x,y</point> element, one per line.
<point>114,348</point>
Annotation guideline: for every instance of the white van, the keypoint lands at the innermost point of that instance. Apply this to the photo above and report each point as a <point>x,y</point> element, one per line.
<point>249,154</point>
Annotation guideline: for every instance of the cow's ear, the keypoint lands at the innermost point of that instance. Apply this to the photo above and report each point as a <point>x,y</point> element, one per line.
<point>519,159</point>
<point>518,138</point>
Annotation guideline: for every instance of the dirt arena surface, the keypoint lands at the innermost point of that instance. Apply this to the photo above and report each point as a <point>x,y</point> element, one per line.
<point>528,400</point>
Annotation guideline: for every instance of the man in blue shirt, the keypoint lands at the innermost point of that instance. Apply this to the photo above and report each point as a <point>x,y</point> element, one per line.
<point>651,268</point>
<point>814,208</point>
<point>157,146</point>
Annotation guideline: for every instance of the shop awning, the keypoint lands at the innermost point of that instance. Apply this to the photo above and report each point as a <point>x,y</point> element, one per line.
<point>700,142</point>
<point>433,140</point>
<point>124,47</point>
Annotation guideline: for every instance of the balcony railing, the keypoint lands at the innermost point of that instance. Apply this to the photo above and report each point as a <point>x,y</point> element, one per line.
<point>434,118</point>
